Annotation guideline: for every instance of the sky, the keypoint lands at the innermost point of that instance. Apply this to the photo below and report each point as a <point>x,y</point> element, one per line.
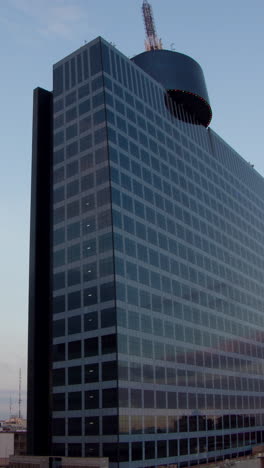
<point>226,37</point>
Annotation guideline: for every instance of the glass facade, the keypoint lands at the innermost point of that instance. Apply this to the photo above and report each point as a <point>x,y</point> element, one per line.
<point>158,261</point>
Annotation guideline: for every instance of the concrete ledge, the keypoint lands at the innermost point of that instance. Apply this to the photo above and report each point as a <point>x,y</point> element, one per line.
<point>56,462</point>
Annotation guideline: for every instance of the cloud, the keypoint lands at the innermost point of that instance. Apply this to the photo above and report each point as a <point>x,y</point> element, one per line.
<point>51,17</point>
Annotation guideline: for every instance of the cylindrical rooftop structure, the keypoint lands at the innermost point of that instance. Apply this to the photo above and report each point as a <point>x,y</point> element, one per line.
<point>183,79</point>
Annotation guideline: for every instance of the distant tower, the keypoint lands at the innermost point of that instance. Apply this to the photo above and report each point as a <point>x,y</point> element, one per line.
<point>10,406</point>
<point>19,394</point>
<point>152,42</point>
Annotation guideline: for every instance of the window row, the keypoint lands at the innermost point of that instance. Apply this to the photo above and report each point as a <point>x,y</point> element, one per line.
<point>198,336</point>
<point>83,143</point>
<point>182,331</point>
<point>159,375</point>
<point>76,375</point>
<point>87,182</point>
<point>184,209</point>
<point>84,348</point>
<point>219,170</point>
<point>59,79</point>
<point>168,424</point>
<point>153,450</point>
<point>87,322</point>
<point>185,270</point>
<point>86,273</point>
<point>153,95</point>
<point>133,398</point>
<point>133,296</point>
<point>79,68</point>
<point>77,208</point>
<point>91,426</point>
<point>101,220</point>
<point>89,201</point>
<point>178,352</point>
<point>86,249</point>
<point>85,162</point>
<point>88,297</point>
<point>199,233</point>
<point>187,377</point>
<point>81,228</point>
<point>85,123</point>
<point>182,175</point>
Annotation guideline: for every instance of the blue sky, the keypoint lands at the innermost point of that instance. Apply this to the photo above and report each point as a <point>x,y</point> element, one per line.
<point>225,37</point>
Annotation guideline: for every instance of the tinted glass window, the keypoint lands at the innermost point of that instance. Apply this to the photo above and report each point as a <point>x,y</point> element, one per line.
<point>74,400</point>
<point>58,328</point>
<point>58,352</point>
<point>108,344</point>
<point>58,377</point>
<point>74,300</point>
<point>74,325</point>
<point>91,321</point>
<point>110,425</point>
<point>109,370</point>
<point>91,399</point>
<point>108,317</point>
<point>74,350</point>
<point>92,425</point>
<point>91,373</point>
<point>75,375</point>
<point>91,347</point>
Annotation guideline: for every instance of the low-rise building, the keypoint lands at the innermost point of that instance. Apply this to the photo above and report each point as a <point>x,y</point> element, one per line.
<point>11,443</point>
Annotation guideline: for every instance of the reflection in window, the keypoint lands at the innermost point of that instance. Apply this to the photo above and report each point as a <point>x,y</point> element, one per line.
<point>90,296</point>
<point>92,425</point>
<point>91,399</point>
<point>91,321</point>
<point>136,425</point>
<point>91,373</point>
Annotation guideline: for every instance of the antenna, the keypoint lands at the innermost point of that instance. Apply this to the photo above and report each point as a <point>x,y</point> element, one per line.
<point>10,407</point>
<point>19,394</point>
<point>152,42</point>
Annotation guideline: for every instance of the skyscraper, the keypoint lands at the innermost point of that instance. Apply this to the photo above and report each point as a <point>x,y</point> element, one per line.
<point>146,268</point>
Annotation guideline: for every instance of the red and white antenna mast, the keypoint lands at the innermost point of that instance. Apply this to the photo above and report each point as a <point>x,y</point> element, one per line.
<point>152,42</point>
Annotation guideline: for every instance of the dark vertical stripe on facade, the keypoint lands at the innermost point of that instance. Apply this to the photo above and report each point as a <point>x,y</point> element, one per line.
<point>38,415</point>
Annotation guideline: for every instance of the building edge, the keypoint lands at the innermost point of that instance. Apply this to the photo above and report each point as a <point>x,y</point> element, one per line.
<point>39,374</point>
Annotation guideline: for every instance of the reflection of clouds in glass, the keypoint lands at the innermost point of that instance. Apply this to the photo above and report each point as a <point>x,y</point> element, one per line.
<point>136,424</point>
